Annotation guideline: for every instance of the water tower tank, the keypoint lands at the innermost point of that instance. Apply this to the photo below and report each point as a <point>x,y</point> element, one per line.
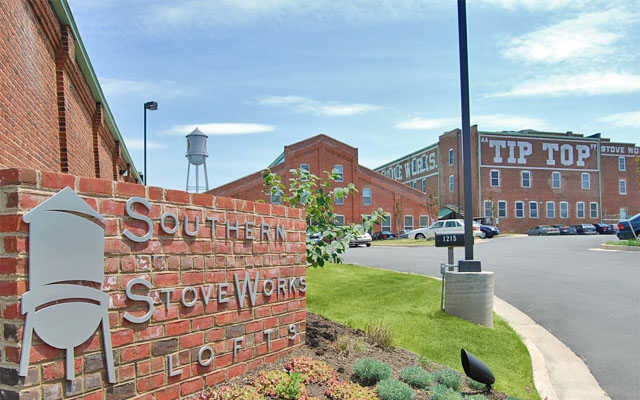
<point>196,147</point>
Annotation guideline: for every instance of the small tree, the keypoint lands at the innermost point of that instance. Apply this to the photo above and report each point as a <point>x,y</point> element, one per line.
<point>316,196</point>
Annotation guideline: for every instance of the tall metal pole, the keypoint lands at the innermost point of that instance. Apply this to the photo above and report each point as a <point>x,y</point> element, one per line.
<point>144,180</point>
<point>466,130</point>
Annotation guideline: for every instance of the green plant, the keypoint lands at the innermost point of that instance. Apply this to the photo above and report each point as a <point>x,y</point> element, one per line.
<point>476,397</point>
<point>369,371</point>
<point>310,370</point>
<point>266,382</point>
<point>307,191</point>
<point>416,377</point>
<point>346,344</point>
<point>448,378</point>
<point>339,390</point>
<point>442,392</point>
<point>379,334</point>
<point>291,389</point>
<point>232,392</point>
<point>475,384</point>
<point>393,389</point>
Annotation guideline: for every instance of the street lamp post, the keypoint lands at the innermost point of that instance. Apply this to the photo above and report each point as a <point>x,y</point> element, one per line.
<point>149,105</point>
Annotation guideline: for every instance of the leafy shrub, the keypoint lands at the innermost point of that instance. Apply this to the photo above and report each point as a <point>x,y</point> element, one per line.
<point>291,389</point>
<point>416,377</point>
<point>442,392</point>
<point>338,390</point>
<point>310,370</point>
<point>392,389</point>
<point>476,397</point>
<point>475,384</point>
<point>369,371</point>
<point>235,392</point>
<point>448,378</point>
<point>276,383</point>
<point>379,334</point>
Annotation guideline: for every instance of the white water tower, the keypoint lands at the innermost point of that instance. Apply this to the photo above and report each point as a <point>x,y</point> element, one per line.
<point>197,155</point>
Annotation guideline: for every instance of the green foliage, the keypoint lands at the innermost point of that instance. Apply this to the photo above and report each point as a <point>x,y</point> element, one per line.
<point>310,370</point>
<point>369,371</point>
<point>339,390</point>
<point>379,334</point>
<point>316,196</point>
<point>290,389</point>
<point>475,384</point>
<point>346,344</point>
<point>416,377</point>
<point>232,392</point>
<point>392,389</point>
<point>448,378</point>
<point>476,397</point>
<point>442,392</point>
<point>267,382</point>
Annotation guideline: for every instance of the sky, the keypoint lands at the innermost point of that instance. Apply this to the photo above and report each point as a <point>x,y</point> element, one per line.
<point>379,75</point>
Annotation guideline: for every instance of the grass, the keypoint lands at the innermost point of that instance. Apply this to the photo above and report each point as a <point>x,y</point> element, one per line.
<point>410,306</point>
<point>403,242</point>
<point>631,242</point>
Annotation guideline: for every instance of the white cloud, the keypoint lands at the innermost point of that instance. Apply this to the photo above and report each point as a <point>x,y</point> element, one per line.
<point>485,122</point>
<point>307,105</point>
<point>544,5</point>
<point>625,120</point>
<point>113,87</point>
<point>138,144</point>
<point>583,38</point>
<point>589,84</point>
<point>221,128</point>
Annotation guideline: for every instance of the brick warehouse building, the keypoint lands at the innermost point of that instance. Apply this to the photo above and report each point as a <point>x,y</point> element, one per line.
<point>406,208</point>
<point>527,178</point>
<point>53,114</point>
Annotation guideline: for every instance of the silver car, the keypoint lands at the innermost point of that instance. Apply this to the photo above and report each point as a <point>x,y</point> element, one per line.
<point>443,227</point>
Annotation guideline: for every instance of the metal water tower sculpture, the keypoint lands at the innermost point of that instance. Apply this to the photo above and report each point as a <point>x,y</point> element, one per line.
<point>197,156</point>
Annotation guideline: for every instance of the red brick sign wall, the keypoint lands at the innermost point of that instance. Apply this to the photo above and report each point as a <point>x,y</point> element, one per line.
<point>201,289</point>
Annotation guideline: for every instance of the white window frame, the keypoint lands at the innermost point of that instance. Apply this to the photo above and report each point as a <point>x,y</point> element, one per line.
<point>489,204</point>
<point>504,209</point>
<point>553,180</point>
<point>623,213</point>
<point>588,181</point>
<point>579,206</point>
<point>452,184</point>
<point>424,185</point>
<point>338,169</point>
<point>497,171</point>
<point>622,163</point>
<point>533,214</point>
<point>338,200</point>
<point>515,212</point>
<point>550,209</point>
<point>305,167</point>
<point>451,158</point>
<point>409,227</point>
<point>592,214</point>
<point>365,197</point>
<point>564,214</point>
<point>425,219</point>
<point>338,217</point>
<point>622,186</point>
<point>522,174</point>
<point>385,224</point>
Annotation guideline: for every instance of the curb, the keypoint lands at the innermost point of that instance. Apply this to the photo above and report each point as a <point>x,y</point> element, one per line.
<point>620,247</point>
<point>558,373</point>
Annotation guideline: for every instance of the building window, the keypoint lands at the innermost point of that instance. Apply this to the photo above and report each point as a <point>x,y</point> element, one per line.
<point>305,167</point>
<point>526,179</point>
<point>502,209</point>
<point>338,220</point>
<point>488,208</point>
<point>555,180</point>
<point>415,185</point>
<point>551,209</point>
<point>593,210</point>
<point>424,221</point>
<point>424,163</point>
<point>450,156</point>
<point>398,172</point>
<point>408,223</point>
<point>386,223</point>
<point>424,185</point>
<point>622,164</point>
<point>564,209</point>
<point>533,209</point>
<point>495,178</point>
<point>623,213</point>
<point>415,165</point>
<point>452,185</point>
<point>586,180</point>
<point>519,209</point>
<point>338,198</point>
<point>622,186</point>
<point>390,172</point>
<point>276,198</point>
<point>580,209</point>
<point>338,171</point>
<point>366,197</point>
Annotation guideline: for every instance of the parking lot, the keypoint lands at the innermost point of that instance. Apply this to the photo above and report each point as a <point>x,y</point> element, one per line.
<point>585,295</point>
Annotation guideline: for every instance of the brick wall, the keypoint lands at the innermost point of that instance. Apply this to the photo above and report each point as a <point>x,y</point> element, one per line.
<point>178,263</point>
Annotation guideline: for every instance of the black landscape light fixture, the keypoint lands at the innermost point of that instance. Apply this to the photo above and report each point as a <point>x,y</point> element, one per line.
<point>149,105</point>
<point>476,369</point>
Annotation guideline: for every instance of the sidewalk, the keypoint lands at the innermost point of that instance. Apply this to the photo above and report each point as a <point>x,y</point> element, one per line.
<point>558,373</point>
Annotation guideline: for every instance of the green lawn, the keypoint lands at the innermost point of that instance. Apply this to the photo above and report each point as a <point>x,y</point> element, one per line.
<point>410,305</point>
<point>631,242</point>
<point>403,242</point>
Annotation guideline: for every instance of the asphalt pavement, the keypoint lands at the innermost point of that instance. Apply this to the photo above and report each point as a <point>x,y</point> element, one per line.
<point>585,296</point>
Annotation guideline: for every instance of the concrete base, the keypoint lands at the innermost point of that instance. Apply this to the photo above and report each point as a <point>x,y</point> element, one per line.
<point>469,295</point>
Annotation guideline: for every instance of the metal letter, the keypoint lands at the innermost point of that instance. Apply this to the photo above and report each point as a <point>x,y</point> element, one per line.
<point>303,284</point>
<point>131,212</point>
<point>279,232</point>
<point>248,230</point>
<point>237,346</point>
<point>163,224</point>
<point>235,228</point>
<point>184,296</point>
<point>170,367</point>
<point>264,231</point>
<point>268,333</point>
<point>136,297</point>
<point>207,362</point>
<point>222,291</point>
<point>282,285</point>
<point>206,295</point>
<point>293,330</point>
<point>213,221</point>
<point>186,226</point>
<point>242,291</point>
<point>268,292</point>
<point>292,286</point>
<point>167,298</point>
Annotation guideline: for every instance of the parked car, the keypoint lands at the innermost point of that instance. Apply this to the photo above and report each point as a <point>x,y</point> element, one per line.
<point>585,229</point>
<point>489,230</point>
<point>629,228</point>
<point>364,238</point>
<point>314,237</point>
<point>444,226</point>
<point>565,229</point>
<point>604,229</point>
<point>383,235</point>
<point>540,230</point>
